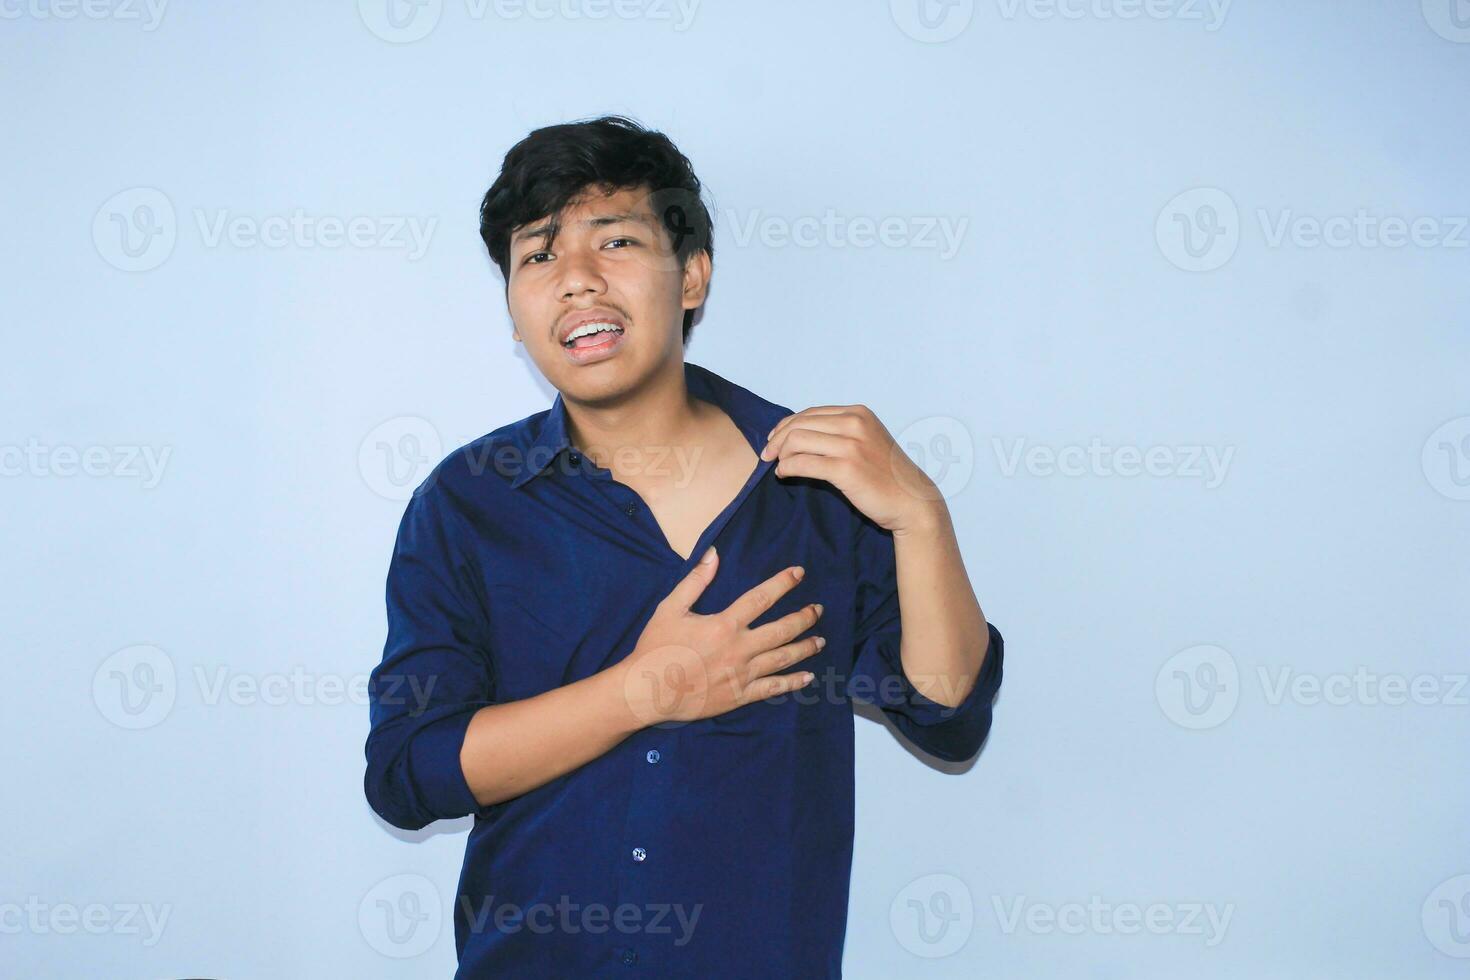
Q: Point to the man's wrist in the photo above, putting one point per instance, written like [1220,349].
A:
[616,694]
[928,518]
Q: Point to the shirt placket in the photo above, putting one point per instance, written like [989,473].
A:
[652,753]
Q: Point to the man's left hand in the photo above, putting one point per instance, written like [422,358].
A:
[848,446]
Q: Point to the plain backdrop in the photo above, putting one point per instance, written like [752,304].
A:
[1170,298]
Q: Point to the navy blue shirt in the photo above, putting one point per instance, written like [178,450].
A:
[715,848]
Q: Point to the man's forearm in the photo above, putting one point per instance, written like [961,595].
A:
[512,748]
[945,635]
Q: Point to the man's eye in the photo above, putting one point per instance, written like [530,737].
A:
[531,259]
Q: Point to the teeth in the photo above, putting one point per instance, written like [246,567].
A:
[589,328]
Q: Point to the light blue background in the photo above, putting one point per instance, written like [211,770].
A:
[1336,539]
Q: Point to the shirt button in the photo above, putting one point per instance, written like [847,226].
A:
[639,854]
[630,956]
[653,755]
[630,510]
[575,458]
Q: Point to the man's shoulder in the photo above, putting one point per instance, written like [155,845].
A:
[482,466]
[745,406]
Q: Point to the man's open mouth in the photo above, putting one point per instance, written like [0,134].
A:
[592,335]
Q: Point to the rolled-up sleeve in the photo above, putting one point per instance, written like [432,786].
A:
[948,732]
[435,673]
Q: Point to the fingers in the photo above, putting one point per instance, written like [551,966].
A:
[808,415]
[783,630]
[784,656]
[824,434]
[764,596]
[768,687]
[692,586]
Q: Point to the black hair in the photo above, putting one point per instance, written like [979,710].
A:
[555,165]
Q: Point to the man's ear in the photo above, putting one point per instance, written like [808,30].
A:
[696,279]
[514,333]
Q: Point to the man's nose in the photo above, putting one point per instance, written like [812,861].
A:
[579,274]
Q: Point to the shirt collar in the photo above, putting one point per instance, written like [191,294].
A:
[753,415]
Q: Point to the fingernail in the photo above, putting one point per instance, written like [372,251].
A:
[709,556]
[821,642]
[819,609]
[799,572]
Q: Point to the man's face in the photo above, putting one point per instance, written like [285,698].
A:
[611,257]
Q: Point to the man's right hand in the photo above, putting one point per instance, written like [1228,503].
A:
[688,666]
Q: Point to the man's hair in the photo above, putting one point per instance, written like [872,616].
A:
[555,165]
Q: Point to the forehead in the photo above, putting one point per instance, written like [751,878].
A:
[592,209]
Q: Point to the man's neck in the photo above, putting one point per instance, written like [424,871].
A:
[638,432]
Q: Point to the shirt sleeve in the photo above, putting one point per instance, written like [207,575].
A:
[949,733]
[435,675]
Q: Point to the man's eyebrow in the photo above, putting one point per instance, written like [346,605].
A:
[540,231]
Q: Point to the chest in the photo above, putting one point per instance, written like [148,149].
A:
[570,577]
[687,502]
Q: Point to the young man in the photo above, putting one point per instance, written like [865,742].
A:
[624,632]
